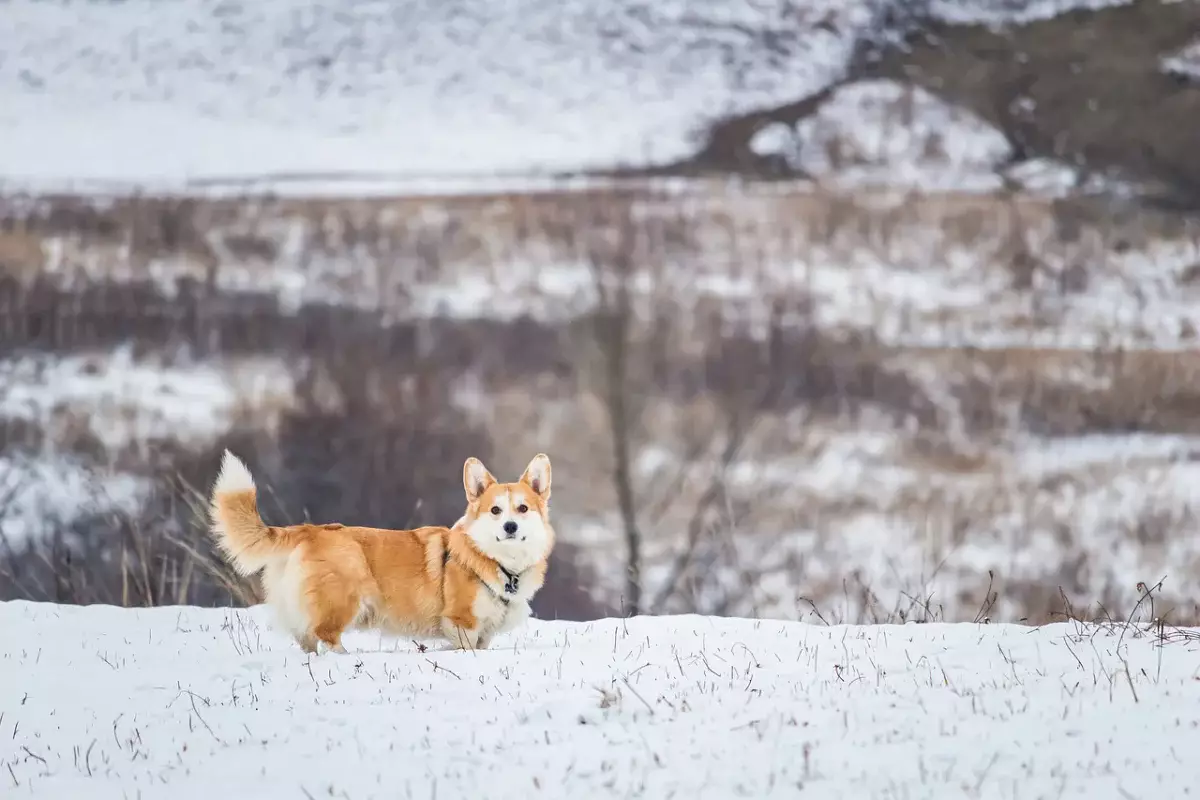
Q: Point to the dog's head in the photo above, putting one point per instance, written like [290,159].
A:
[509,522]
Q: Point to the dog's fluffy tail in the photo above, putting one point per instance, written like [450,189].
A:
[246,540]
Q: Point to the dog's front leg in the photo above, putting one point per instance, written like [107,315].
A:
[518,612]
[460,635]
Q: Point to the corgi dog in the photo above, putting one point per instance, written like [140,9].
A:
[467,583]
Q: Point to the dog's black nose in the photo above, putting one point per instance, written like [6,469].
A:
[510,527]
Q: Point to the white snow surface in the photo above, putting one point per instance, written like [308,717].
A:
[191,704]
[128,401]
[372,95]
[38,495]
[1185,63]
[884,132]
[1000,12]
[166,93]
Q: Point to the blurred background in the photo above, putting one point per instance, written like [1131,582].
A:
[838,310]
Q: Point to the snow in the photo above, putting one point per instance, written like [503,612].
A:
[37,495]
[275,88]
[862,512]
[913,272]
[370,97]
[1185,63]
[774,138]
[125,404]
[125,400]
[561,292]
[1000,12]
[1053,178]
[931,288]
[188,704]
[884,132]
[858,504]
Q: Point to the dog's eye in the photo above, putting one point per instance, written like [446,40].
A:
[521,509]
[496,510]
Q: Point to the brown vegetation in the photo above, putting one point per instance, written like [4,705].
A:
[652,368]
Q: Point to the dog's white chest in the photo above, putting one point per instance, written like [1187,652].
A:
[489,610]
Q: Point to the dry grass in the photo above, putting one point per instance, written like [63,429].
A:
[127,235]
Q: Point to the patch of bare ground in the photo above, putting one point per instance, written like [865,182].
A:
[1077,86]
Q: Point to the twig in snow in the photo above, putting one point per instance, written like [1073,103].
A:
[1129,679]
[989,600]
[437,666]
[636,694]
[196,711]
[1147,593]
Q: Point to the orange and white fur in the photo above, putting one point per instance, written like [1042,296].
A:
[467,583]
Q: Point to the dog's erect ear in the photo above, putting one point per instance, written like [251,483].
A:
[476,479]
[537,475]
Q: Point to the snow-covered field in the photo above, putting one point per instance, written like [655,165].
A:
[468,86]
[887,133]
[196,93]
[191,704]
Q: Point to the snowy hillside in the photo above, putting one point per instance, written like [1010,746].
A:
[954,420]
[212,90]
[418,87]
[992,374]
[190,704]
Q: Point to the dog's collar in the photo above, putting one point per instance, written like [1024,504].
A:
[511,583]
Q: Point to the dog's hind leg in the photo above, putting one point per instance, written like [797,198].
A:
[335,586]
[283,584]
[333,616]
[334,604]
